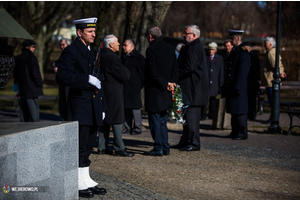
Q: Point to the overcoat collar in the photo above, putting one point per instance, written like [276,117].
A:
[82,48]
[156,39]
[194,42]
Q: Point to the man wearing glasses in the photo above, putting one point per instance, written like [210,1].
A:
[27,75]
[193,80]
[236,86]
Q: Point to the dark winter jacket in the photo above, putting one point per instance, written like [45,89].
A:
[135,63]
[193,74]
[115,74]
[160,68]
[27,75]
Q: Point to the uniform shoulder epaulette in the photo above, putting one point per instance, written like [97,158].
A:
[244,48]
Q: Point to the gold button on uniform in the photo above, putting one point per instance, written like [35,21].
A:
[100,98]
[94,96]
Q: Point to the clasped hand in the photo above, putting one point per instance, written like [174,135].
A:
[171,86]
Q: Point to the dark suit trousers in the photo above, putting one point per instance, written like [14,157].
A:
[87,138]
[213,105]
[63,96]
[104,137]
[191,134]
[159,130]
[251,103]
[30,110]
[239,125]
[135,114]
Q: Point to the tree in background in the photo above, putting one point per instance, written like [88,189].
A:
[40,19]
[124,19]
[131,18]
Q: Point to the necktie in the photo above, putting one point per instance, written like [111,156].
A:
[211,58]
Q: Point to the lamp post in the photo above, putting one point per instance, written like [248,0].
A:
[275,107]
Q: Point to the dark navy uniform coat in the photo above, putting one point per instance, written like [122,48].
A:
[84,105]
[236,81]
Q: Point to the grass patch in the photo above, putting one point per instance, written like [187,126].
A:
[47,106]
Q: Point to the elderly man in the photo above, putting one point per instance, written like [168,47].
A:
[63,43]
[193,80]
[86,102]
[268,67]
[161,73]
[216,78]
[236,85]
[115,74]
[134,62]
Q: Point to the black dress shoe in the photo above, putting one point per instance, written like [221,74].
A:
[135,133]
[96,190]
[178,146]
[154,153]
[240,138]
[189,149]
[104,151]
[228,136]
[166,152]
[123,153]
[86,193]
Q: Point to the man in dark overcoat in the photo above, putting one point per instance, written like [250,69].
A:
[115,74]
[62,91]
[161,73]
[86,103]
[135,63]
[252,81]
[228,48]
[236,86]
[27,75]
[216,79]
[193,80]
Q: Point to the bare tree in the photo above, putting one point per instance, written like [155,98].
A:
[40,19]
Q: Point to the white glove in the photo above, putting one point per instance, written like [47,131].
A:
[103,115]
[94,81]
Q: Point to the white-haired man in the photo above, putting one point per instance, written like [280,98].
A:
[115,74]
[193,80]
[268,67]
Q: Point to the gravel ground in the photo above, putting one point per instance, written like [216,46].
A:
[265,166]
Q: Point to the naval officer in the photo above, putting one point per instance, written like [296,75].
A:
[236,86]
[86,103]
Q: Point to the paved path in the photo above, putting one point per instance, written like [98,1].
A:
[271,163]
